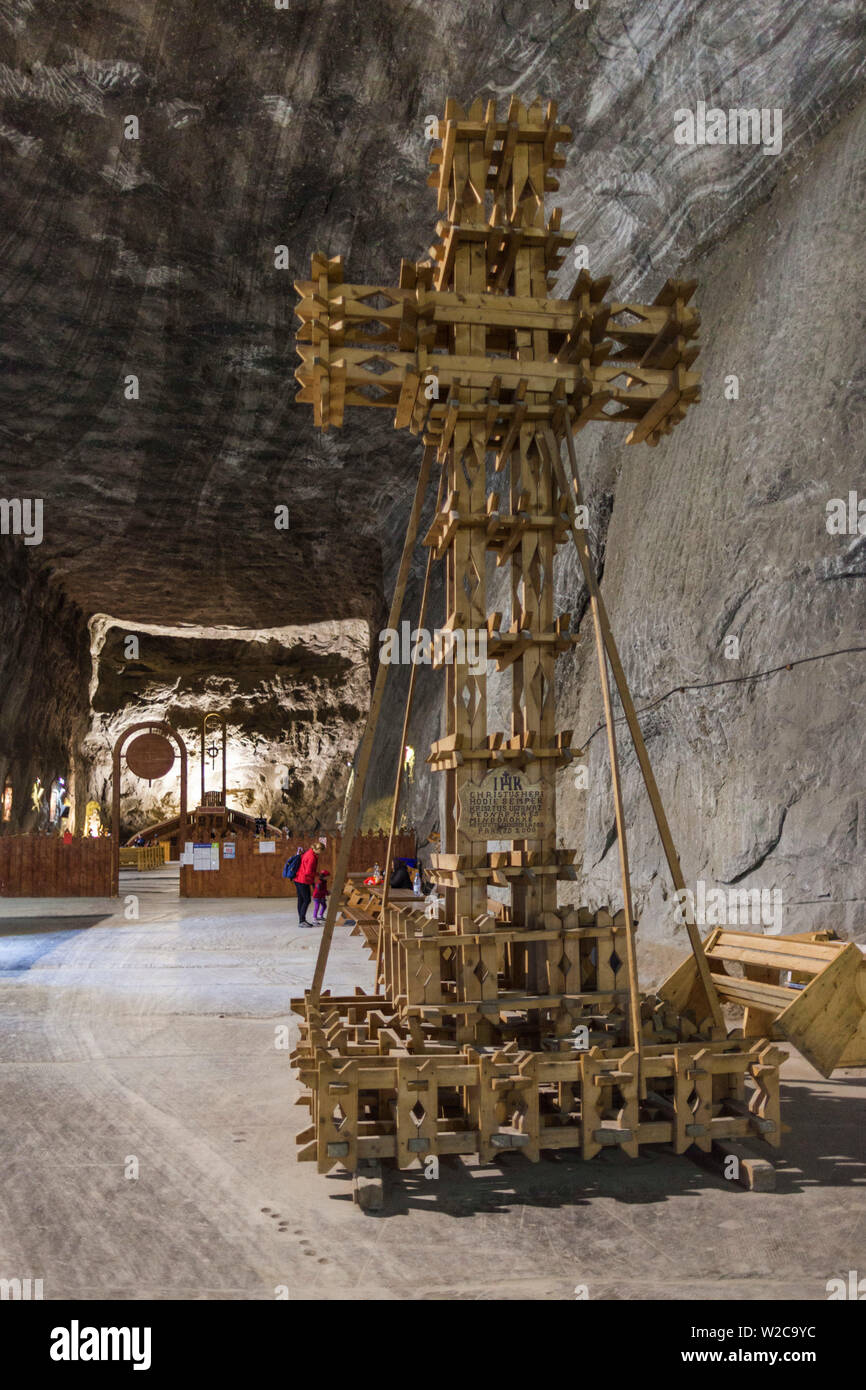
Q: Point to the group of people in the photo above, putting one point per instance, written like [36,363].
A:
[311,885]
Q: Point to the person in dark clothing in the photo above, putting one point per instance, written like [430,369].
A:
[400,877]
[304,880]
[298,854]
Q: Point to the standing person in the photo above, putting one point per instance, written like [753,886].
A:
[320,896]
[304,880]
[400,877]
[290,869]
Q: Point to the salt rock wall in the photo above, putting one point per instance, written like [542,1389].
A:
[44,669]
[721,532]
[304,129]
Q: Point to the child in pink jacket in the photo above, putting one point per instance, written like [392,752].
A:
[320,896]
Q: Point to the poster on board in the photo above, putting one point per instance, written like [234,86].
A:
[202,856]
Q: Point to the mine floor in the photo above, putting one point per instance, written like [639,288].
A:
[155,1040]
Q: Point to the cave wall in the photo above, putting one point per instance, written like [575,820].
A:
[44,673]
[304,128]
[721,532]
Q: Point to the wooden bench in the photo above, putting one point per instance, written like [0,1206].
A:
[808,989]
[361,908]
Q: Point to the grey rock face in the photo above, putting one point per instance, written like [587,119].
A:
[721,533]
[44,670]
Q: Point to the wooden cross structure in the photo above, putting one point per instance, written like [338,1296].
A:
[516,1024]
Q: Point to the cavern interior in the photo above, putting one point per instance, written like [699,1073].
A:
[213,579]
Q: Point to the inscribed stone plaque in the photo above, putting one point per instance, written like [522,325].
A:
[505,806]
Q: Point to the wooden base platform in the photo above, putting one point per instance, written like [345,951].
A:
[379,1089]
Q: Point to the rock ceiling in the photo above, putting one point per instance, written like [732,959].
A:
[154,257]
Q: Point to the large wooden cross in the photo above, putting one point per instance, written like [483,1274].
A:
[473,352]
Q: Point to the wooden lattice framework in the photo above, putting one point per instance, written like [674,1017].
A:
[516,1025]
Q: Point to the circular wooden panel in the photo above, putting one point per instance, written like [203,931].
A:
[150,756]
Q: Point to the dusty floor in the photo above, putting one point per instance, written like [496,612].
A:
[154,1040]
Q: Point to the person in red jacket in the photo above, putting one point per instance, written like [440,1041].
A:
[304,880]
[320,896]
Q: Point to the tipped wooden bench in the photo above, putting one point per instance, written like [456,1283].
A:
[809,990]
[361,909]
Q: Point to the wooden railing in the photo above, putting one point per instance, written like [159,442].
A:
[142,857]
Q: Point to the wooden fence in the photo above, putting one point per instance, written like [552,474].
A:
[42,866]
[250,874]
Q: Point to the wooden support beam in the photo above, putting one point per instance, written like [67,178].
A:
[551,446]
[751,1171]
[572,494]
[395,809]
[367,1185]
[354,809]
